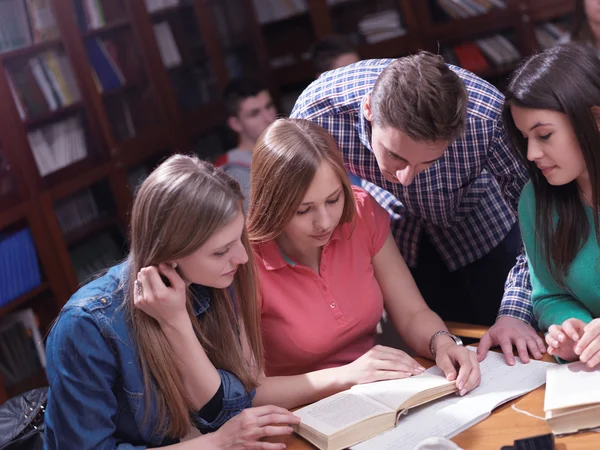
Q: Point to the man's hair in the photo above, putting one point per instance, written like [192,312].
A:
[326,50]
[239,90]
[422,97]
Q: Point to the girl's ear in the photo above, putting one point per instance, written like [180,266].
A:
[596,113]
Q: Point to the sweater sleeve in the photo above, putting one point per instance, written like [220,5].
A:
[552,304]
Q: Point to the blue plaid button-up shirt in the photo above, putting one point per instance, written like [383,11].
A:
[466,202]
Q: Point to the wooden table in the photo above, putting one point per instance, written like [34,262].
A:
[503,427]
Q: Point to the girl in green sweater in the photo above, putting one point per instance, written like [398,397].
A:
[552,117]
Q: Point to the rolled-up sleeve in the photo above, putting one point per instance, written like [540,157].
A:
[235,400]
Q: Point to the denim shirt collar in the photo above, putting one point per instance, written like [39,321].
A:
[200,298]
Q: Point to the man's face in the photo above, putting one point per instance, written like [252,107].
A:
[255,114]
[399,157]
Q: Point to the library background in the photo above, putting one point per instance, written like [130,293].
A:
[94,93]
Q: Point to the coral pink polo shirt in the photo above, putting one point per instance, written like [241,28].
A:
[312,322]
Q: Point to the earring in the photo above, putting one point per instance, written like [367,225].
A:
[174,265]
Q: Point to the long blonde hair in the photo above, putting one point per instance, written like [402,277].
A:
[176,209]
[284,163]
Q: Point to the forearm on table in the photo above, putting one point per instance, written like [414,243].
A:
[200,378]
[296,390]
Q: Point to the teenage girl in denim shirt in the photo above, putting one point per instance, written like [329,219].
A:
[154,346]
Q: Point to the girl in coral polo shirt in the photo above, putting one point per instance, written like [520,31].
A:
[327,266]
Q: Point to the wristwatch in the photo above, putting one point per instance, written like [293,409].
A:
[442,333]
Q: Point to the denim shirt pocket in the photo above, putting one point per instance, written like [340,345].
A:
[235,400]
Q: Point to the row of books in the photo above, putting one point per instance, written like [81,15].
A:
[460,9]
[89,14]
[58,145]
[381,26]
[43,83]
[19,269]
[22,353]
[23,22]
[549,34]
[77,211]
[95,255]
[105,69]
[478,56]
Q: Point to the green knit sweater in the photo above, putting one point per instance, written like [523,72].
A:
[551,303]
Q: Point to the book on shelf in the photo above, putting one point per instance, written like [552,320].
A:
[89,14]
[156,5]
[15,29]
[19,268]
[460,9]
[105,70]
[381,26]
[549,34]
[58,145]
[167,47]
[95,255]
[499,49]
[43,83]
[274,10]
[572,399]
[77,211]
[41,18]
[22,352]
[366,410]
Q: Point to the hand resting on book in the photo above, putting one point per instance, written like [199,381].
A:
[458,364]
[381,363]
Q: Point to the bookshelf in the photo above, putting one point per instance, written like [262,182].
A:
[92,99]
[424,25]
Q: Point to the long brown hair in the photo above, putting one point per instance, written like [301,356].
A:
[565,79]
[176,209]
[284,162]
[580,29]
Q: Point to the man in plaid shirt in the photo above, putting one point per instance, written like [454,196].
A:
[429,140]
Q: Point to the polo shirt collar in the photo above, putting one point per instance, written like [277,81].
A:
[363,126]
[273,258]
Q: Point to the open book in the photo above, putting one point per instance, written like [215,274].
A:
[572,401]
[366,410]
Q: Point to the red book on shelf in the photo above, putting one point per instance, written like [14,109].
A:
[470,57]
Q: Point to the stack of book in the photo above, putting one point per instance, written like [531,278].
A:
[549,34]
[155,5]
[274,10]
[77,211]
[460,9]
[381,26]
[95,255]
[43,83]
[23,22]
[19,269]
[22,353]
[58,145]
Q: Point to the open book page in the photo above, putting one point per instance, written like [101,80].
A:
[452,415]
[332,414]
[395,393]
[570,385]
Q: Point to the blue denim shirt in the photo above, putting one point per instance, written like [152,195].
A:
[96,398]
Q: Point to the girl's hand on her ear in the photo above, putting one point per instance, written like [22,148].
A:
[245,430]
[588,346]
[561,339]
[166,304]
